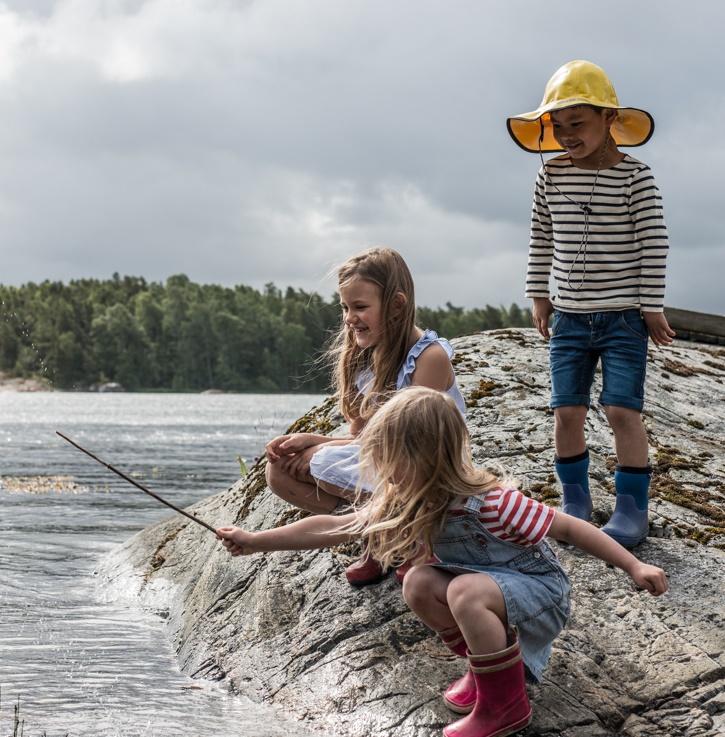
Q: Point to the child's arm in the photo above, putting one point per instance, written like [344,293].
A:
[541,255]
[320,531]
[592,540]
[356,426]
[284,445]
[433,369]
[541,309]
[297,465]
[645,207]
[658,328]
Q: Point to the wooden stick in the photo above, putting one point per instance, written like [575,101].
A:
[136,484]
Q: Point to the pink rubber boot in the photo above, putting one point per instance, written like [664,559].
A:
[460,696]
[502,705]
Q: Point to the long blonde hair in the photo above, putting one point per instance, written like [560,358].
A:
[416,450]
[385,268]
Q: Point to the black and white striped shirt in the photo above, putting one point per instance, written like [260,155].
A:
[623,264]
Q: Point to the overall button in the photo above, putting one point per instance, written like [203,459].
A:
[537,554]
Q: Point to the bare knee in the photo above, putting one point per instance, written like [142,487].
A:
[464,598]
[274,475]
[417,585]
[570,418]
[623,418]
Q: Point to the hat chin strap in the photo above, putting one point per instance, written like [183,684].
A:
[584,207]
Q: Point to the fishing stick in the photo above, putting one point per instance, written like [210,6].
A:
[136,484]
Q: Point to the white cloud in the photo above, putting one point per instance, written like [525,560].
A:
[13,35]
[267,140]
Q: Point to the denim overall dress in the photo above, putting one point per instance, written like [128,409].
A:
[535,587]
[339,464]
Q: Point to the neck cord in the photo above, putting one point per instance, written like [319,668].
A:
[585,208]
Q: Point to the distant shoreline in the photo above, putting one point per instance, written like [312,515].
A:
[19,384]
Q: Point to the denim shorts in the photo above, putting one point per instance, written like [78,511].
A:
[579,340]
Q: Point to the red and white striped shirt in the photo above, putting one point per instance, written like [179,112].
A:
[511,516]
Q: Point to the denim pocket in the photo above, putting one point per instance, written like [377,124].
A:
[633,323]
[533,562]
[555,320]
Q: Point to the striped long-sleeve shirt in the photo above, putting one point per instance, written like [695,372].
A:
[622,266]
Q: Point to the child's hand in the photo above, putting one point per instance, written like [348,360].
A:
[658,328]
[236,540]
[540,313]
[284,445]
[651,578]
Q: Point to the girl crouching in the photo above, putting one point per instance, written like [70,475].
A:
[484,578]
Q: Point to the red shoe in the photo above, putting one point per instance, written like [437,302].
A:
[502,705]
[400,571]
[364,572]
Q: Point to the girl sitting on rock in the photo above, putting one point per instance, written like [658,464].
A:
[484,577]
[378,350]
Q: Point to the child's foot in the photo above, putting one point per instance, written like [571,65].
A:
[364,572]
[577,502]
[460,696]
[628,524]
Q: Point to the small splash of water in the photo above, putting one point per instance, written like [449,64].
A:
[83,657]
[22,328]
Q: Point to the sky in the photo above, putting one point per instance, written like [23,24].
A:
[248,142]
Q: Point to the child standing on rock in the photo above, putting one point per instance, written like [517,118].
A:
[378,350]
[597,224]
[484,577]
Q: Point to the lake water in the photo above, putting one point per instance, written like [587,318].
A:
[82,661]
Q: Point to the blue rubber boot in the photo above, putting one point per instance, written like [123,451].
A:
[629,524]
[573,472]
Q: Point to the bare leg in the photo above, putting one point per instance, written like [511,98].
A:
[630,437]
[424,591]
[473,601]
[319,498]
[478,606]
[299,493]
[569,439]
[346,494]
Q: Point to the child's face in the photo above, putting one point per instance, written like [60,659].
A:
[362,311]
[581,130]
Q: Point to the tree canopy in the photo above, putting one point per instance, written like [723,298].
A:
[184,336]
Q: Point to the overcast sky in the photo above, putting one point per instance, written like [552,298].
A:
[247,142]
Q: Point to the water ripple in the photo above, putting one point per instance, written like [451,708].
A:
[79,663]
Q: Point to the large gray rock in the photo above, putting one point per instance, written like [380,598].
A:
[286,629]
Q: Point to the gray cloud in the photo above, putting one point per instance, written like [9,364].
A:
[268,140]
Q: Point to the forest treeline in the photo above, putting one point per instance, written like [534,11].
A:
[185,336]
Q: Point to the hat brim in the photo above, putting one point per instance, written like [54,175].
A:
[534,132]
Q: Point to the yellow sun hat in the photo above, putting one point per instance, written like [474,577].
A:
[578,83]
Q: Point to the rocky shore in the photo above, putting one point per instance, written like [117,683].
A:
[19,384]
[287,630]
